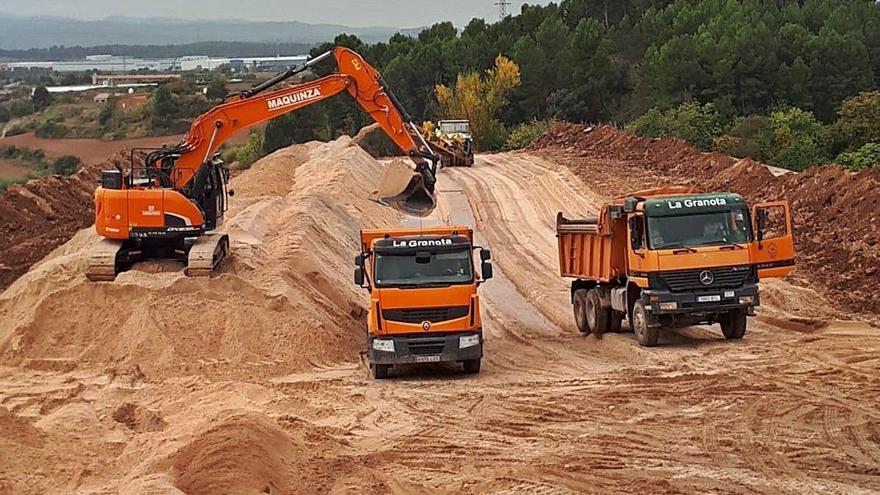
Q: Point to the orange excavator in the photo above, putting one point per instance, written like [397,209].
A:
[173,206]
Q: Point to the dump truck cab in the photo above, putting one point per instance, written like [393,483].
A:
[673,257]
[424,306]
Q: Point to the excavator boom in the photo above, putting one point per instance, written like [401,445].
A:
[173,206]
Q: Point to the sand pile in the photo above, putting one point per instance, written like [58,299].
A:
[140,356]
[835,212]
[286,299]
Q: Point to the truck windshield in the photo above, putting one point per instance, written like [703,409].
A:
[443,268]
[705,229]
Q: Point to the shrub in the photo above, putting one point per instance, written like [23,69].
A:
[699,125]
[523,134]
[251,151]
[49,129]
[66,165]
[868,156]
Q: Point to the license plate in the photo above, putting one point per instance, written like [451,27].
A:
[427,359]
[709,298]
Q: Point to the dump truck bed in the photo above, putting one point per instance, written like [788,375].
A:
[590,249]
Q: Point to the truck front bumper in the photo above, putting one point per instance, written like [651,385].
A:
[425,348]
[660,302]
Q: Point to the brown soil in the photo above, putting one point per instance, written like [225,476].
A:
[836,213]
[87,150]
[13,169]
[40,215]
[252,382]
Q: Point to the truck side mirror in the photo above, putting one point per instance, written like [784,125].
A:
[485,255]
[487,270]
[629,204]
[359,276]
[359,261]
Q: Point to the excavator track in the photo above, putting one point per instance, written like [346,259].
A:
[102,260]
[207,254]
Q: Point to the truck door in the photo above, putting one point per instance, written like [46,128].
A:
[773,247]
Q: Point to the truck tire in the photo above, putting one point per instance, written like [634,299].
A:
[616,323]
[471,366]
[734,324]
[646,334]
[380,371]
[597,316]
[579,304]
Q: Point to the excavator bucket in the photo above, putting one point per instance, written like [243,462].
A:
[405,190]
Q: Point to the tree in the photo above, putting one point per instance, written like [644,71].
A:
[479,99]
[301,126]
[163,108]
[217,89]
[868,156]
[799,140]
[41,98]
[840,68]
[858,122]
[5,114]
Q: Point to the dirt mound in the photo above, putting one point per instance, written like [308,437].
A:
[293,241]
[284,303]
[40,215]
[835,212]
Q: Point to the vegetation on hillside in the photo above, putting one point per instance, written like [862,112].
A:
[787,82]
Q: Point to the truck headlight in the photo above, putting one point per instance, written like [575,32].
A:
[468,341]
[746,299]
[383,345]
[668,306]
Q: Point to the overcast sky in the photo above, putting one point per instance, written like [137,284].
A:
[358,13]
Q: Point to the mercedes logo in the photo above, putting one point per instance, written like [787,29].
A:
[706,277]
[426,325]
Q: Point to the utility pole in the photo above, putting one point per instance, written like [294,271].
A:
[502,8]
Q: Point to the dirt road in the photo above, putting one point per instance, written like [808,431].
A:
[262,402]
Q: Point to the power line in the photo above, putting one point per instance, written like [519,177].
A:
[502,8]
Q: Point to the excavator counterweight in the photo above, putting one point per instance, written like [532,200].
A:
[173,206]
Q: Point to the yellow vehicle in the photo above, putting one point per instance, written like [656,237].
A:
[424,306]
[671,257]
[452,141]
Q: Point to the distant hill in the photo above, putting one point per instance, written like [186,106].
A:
[18,33]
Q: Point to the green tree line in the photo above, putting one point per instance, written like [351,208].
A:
[763,78]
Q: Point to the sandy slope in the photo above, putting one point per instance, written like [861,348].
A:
[252,382]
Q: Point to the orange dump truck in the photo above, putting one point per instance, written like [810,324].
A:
[671,257]
[424,306]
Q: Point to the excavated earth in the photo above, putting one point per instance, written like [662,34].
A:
[252,382]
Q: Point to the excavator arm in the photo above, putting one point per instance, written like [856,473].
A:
[257,105]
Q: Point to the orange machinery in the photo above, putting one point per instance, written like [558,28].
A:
[672,257]
[424,306]
[173,206]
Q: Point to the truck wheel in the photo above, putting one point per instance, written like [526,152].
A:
[646,335]
[733,324]
[472,366]
[380,371]
[616,321]
[597,316]
[580,310]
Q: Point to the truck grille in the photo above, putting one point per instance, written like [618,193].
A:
[434,315]
[425,347]
[727,277]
